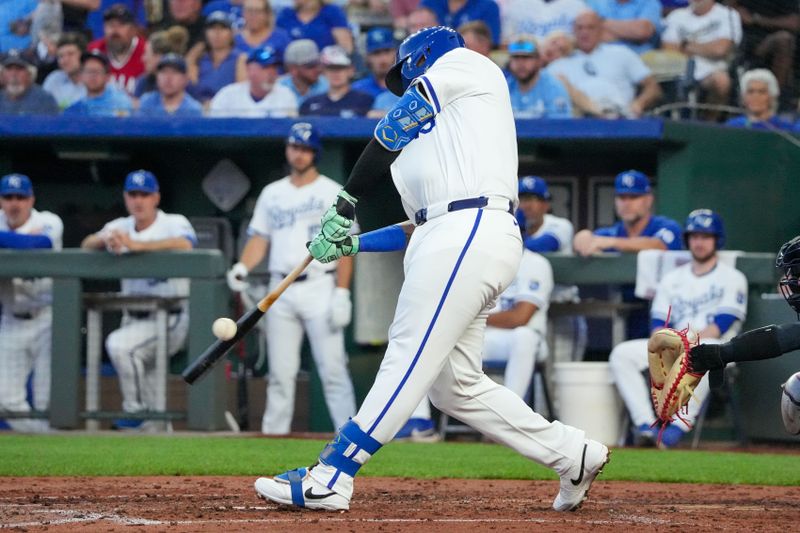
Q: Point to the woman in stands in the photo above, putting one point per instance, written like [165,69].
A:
[760,92]
[325,24]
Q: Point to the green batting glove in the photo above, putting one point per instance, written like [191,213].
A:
[325,251]
[338,219]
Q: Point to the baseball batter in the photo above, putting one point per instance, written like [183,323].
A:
[287,216]
[451,144]
[132,347]
[705,295]
[26,321]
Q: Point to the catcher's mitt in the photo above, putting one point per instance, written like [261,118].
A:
[672,381]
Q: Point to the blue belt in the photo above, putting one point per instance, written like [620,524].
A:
[421,216]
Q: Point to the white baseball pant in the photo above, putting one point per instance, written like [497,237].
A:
[305,306]
[132,350]
[25,347]
[627,361]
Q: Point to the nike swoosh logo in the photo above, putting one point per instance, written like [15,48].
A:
[575,482]
[311,496]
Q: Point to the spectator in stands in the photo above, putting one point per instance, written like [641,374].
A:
[637,229]
[420,18]
[535,93]
[401,11]
[185,13]
[171,98]
[15,24]
[123,48]
[477,37]
[103,98]
[173,40]
[65,83]
[234,9]
[216,66]
[341,99]
[132,347]
[759,93]
[20,95]
[381,51]
[609,73]
[259,95]
[707,33]
[26,321]
[634,23]
[46,28]
[260,29]
[303,70]
[556,45]
[770,37]
[539,17]
[325,24]
[454,13]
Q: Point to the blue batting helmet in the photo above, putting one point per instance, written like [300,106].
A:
[705,221]
[418,52]
[304,134]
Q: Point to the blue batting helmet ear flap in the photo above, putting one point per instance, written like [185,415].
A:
[305,134]
[418,52]
[705,221]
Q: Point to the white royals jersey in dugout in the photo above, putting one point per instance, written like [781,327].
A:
[472,151]
[696,300]
[22,295]
[289,216]
[166,226]
[533,283]
[560,228]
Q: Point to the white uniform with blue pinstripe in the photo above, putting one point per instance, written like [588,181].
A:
[456,266]
[132,347]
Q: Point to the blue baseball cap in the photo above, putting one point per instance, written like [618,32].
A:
[172,60]
[534,185]
[18,184]
[141,181]
[220,18]
[265,56]
[523,47]
[380,39]
[632,182]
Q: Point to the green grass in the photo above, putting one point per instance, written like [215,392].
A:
[111,455]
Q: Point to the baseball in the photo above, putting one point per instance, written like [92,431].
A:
[224,328]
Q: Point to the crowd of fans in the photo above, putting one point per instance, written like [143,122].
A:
[283,58]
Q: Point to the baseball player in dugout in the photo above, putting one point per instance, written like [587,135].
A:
[287,216]
[706,296]
[26,321]
[450,143]
[132,347]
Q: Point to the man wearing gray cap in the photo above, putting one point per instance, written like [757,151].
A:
[303,71]
[20,95]
[340,100]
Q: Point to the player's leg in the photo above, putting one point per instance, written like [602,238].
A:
[327,348]
[43,344]
[284,339]
[627,361]
[16,362]
[129,348]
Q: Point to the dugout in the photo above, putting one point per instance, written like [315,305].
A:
[78,164]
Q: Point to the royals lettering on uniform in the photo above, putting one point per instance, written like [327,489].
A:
[683,308]
[283,217]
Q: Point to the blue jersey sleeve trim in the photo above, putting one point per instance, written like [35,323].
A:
[546,243]
[386,239]
[10,239]
[432,93]
[657,323]
[724,322]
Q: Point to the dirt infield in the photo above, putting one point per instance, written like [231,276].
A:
[217,503]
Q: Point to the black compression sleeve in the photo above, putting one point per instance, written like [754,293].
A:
[762,343]
[373,164]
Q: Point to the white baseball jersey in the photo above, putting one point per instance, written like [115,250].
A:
[533,283]
[719,23]
[696,300]
[289,216]
[166,226]
[234,100]
[539,17]
[30,294]
[444,163]
[558,227]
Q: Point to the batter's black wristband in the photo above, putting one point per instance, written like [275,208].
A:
[372,165]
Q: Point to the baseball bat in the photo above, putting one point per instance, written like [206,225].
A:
[217,351]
